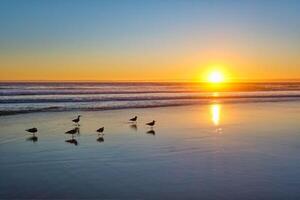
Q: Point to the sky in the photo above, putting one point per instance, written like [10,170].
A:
[133,40]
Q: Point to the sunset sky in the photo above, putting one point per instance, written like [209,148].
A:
[149,40]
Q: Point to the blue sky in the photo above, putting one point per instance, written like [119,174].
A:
[152,29]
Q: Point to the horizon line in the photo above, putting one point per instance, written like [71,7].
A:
[153,81]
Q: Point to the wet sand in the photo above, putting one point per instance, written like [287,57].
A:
[230,151]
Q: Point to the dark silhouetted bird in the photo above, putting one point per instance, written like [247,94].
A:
[77,120]
[134,119]
[32,130]
[151,123]
[100,130]
[73,131]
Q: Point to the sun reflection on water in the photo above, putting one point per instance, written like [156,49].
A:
[215,94]
[216,116]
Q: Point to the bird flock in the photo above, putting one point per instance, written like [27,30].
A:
[100,131]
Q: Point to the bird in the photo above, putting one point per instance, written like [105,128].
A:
[73,131]
[134,119]
[77,120]
[151,123]
[152,132]
[32,130]
[100,130]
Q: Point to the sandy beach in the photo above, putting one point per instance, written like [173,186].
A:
[228,151]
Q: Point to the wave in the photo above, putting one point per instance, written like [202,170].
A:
[17,109]
[90,92]
[16,98]
[82,99]
[13,89]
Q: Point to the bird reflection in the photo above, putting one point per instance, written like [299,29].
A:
[72,132]
[100,139]
[72,141]
[151,132]
[100,134]
[32,138]
[133,127]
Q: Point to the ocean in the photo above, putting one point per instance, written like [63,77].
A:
[27,97]
[236,141]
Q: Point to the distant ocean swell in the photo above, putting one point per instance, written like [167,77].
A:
[18,98]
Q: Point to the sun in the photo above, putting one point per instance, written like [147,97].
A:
[216,77]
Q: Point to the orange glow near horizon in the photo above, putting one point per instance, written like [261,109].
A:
[84,68]
[130,41]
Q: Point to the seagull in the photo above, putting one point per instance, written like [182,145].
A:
[77,120]
[151,123]
[33,138]
[73,131]
[32,130]
[100,130]
[133,119]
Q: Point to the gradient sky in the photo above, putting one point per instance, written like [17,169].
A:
[149,40]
